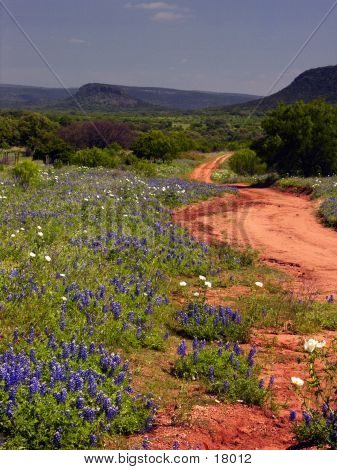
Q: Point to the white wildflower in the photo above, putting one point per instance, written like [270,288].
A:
[311,344]
[297,381]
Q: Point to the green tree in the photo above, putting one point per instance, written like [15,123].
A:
[33,128]
[48,144]
[9,132]
[155,146]
[300,139]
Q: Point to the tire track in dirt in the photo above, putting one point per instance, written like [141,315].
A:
[282,226]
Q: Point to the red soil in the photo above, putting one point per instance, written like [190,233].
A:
[283,227]
[237,426]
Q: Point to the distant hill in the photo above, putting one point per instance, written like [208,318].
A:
[21,96]
[186,100]
[320,82]
[103,97]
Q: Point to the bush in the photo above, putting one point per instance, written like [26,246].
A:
[237,145]
[94,157]
[60,394]
[58,163]
[226,372]
[203,321]
[246,163]
[26,172]
[145,168]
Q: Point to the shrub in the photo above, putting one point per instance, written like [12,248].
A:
[58,163]
[203,321]
[66,394]
[26,172]
[237,145]
[226,372]
[94,157]
[144,168]
[245,162]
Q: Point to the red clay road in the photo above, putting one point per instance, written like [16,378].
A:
[282,226]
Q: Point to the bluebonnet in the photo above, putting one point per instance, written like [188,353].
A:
[57,439]
[89,414]
[61,396]
[146,443]
[182,349]
[307,417]
[292,416]
[92,440]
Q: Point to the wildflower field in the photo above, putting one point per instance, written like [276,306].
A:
[87,261]
[105,312]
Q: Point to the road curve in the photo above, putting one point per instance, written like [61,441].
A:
[204,171]
[282,226]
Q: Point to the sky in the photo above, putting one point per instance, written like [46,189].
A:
[217,45]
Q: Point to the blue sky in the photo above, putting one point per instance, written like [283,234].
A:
[220,45]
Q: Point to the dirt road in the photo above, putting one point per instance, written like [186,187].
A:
[282,226]
[204,171]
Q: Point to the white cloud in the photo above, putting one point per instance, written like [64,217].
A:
[161,11]
[152,6]
[167,16]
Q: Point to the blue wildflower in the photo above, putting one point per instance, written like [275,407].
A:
[182,349]
[292,416]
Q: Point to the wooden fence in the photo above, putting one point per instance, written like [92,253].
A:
[12,155]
